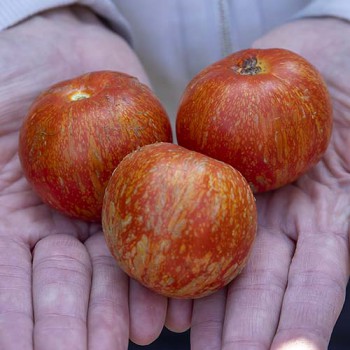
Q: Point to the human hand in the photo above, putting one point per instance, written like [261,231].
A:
[291,292]
[48,262]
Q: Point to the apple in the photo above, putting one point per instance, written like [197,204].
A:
[266,112]
[77,131]
[179,222]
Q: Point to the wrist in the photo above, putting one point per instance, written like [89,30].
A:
[320,40]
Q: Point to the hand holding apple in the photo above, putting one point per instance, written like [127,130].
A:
[54,267]
[305,224]
[293,288]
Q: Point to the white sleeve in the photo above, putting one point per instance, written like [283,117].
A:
[14,11]
[321,8]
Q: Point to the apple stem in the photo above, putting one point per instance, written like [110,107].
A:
[248,67]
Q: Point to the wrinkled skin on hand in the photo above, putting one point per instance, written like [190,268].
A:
[59,286]
[292,291]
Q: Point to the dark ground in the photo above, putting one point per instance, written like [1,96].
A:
[171,341]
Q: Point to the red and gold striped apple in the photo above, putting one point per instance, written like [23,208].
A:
[77,132]
[179,222]
[266,112]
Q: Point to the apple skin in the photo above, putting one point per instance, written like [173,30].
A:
[78,131]
[266,112]
[177,221]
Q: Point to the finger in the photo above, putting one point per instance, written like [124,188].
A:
[108,317]
[147,313]
[16,314]
[207,321]
[254,299]
[179,313]
[61,287]
[316,292]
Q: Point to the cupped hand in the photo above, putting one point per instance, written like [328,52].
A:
[293,288]
[59,287]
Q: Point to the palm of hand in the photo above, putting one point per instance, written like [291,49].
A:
[293,288]
[46,278]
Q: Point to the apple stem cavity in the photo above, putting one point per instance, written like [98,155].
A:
[79,95]
[248,67]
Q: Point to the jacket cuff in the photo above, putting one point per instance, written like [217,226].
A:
[15,11]
[323,8]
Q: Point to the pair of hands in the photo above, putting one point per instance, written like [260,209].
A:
[59,286]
